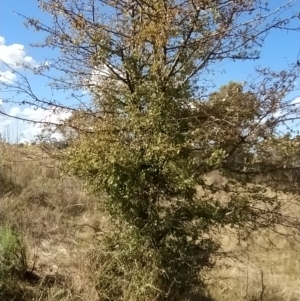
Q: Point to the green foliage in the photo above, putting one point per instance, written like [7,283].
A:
[148,174]
[12,261]
[130,269]
[148,167]
[126,267]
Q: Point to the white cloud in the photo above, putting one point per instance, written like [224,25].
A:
[296,101]
[7,76]
[14,111]
[1,107]
[51,115]
[14,55]
[23,131]
[102,73]
[5,122]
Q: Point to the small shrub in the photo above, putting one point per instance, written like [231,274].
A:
[12,260]
[123,272]
[127,268]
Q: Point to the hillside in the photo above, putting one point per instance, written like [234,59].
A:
[59,256]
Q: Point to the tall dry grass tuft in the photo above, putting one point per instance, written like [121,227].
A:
[263,267]
[57,218]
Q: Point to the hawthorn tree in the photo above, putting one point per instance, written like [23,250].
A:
[153,128]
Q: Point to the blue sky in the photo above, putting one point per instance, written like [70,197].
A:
[281,48]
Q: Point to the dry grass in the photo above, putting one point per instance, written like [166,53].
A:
[61,223]
[265,267]
[58,220]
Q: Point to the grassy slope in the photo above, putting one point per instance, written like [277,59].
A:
[61,224]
